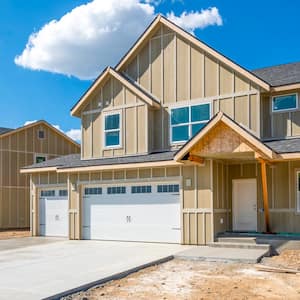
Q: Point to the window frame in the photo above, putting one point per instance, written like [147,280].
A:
[190,123]
[38,133]
[286,109]
[40,155]
[297,191]
[111,113]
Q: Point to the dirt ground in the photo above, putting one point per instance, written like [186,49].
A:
[181,279]
[10,234]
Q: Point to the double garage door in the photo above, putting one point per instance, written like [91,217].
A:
[53,212]
[148,212]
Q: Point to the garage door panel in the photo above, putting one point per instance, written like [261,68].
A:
[151,217]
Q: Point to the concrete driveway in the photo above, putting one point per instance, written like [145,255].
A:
[41,267]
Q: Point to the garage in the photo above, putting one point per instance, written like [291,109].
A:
[136,212]
[53,212]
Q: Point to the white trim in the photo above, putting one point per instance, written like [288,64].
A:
[40,155]
[111,113]
[286,109]
[297,191]
[190,123]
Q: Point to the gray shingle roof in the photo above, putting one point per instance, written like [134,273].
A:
[285,146]
[4,130]
[280,75]
[74,161]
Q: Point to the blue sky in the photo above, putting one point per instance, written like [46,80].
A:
[254,35]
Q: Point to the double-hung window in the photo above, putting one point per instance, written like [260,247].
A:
[187,121]
[284,102]
[112,130]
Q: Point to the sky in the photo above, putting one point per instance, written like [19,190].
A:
[51,50]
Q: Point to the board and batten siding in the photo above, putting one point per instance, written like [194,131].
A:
[112,97]
[279,124]
[177,72]
[18,150]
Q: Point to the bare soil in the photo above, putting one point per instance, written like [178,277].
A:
[11,234]
[181,279]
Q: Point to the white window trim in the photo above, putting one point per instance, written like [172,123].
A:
[40,154]
[297,193]
[188,124]
[287,109]
[112,130]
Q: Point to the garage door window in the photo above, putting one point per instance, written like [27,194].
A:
[141,189]
[168,188]
[48,193]
[116,190]
[63,193]
[93,191]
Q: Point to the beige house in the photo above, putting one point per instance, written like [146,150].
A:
[26,145]
[179,143]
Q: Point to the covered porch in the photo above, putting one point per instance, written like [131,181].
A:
[252,191]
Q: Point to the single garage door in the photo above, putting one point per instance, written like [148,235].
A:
[53,212]
[149,213]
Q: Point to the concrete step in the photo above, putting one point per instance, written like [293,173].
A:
[240,240]
[240,245]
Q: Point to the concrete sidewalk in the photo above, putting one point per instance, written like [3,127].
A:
[49,268]
[207,253]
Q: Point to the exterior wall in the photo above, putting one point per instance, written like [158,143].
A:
[178,73]
[281,180]
[113,97]
[279,124]
[196,199]
[16,151]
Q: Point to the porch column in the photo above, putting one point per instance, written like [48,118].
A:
[265,194]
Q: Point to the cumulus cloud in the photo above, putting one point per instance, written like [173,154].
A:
[74,134]
[97,34]
[193,20]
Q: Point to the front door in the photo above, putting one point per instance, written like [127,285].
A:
[244,204]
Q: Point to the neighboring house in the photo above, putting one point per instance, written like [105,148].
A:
[19,147]
[179,143]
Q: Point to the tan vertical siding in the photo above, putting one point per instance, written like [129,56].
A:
[196,73]
[211,77]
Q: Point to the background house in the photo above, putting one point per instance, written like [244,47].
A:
[19,147]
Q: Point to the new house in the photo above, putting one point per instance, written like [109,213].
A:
[34,143]
[179,143]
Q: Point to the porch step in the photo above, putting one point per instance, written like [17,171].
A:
[240,245]
[239,240]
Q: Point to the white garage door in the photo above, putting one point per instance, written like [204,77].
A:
[53,214]
[149,213]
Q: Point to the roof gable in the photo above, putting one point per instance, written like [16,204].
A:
[161,20]
[104,76]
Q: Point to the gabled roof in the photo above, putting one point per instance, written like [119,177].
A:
[221,117]
[133,87]
[40,122]
[279,75]
[4,130]
[178,30]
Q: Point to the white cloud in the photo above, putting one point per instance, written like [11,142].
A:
[199,19]
[91,36]
[74,134]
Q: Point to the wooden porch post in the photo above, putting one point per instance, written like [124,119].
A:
[265,194]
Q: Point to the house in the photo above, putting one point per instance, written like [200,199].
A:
[179,143]
[34,143]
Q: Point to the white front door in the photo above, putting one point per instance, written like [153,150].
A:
[151,214]
[244,204]
[53,213]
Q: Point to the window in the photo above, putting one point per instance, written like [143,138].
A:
[41,134]
[187,121]
[285,102]
[112,130]
[298,191]
[48,193]
[116,190]
[168,188]
[93,191]
[63,193]
[40,158]
[141,189]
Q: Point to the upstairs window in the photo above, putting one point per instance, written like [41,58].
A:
[40,158]
[298,191]
[41,134]
[284,102]
[112,130]
[187,121]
